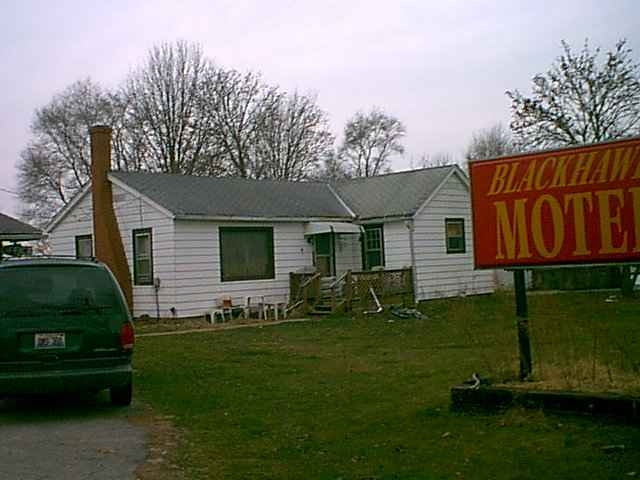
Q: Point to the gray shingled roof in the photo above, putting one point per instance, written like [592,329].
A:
[393,194]
[185,195]
[390,195]
[13,229]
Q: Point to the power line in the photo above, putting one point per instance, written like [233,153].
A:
[10,192]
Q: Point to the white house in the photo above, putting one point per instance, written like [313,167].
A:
[202,238]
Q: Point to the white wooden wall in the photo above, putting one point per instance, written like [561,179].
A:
[397,246]
[197,265]
[79,221]
[134,213]
[441,274]
[397,253]
[186,254]
[131,213]
[348,253]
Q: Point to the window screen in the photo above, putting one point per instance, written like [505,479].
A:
[246,253]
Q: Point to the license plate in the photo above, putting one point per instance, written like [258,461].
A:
[49,340]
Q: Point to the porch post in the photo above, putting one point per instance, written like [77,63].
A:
[414,273]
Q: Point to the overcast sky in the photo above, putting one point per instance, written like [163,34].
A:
[440,67]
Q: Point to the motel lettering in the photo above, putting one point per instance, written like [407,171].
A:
[569,206]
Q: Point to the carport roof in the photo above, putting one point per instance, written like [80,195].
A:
[15,230]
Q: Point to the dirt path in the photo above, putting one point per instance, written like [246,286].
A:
[222,327]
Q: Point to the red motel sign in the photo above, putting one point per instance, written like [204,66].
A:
[561,207]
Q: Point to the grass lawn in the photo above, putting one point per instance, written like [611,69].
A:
[367,398]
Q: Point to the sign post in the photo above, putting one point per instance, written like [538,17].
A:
[570,206]
[522,318]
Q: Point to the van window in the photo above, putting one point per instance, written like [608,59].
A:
[57,286]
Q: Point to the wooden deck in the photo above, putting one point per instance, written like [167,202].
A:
[310,293]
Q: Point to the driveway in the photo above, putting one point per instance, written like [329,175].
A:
[75,438]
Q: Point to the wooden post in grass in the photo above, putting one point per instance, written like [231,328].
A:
[522,314]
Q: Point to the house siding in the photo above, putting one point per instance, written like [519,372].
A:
[186,253]
[79,221]
[197,265]
[397,246]
[397,252]
[131,213]
[439,274]
[134,213]
[348,253]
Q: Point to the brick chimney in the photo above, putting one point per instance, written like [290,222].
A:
[106,234]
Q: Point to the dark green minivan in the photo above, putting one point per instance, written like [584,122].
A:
[64,327]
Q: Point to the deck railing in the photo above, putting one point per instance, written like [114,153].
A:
[352,289]
[304,291]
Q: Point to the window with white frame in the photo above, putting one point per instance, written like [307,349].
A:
[142,257]
[454,230]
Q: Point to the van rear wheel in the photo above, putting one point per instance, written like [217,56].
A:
[121,396]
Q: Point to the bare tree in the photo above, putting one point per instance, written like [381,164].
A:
[437,160]
[165,111]
[238,103]
[331,168]
[369,142]
[177,113]
[262,132]
[56,163]
[580,99]
[130,151]
[292,136]
[43,186]
[491,142]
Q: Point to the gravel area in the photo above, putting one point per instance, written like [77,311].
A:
[53,443]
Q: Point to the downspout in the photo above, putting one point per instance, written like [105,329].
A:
[333,250]
[414,277]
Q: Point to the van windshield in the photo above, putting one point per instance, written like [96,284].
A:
[66,289]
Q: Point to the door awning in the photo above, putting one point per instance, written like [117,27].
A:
[316,228]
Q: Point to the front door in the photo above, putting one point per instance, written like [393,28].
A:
[323,254]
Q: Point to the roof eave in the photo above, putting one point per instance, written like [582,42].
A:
[64,211]
[137,193]
[235,218]
[455,170]
[386,218]
[20,237]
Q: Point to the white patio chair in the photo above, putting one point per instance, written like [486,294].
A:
[223,308]
[279,307]
[251,306]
